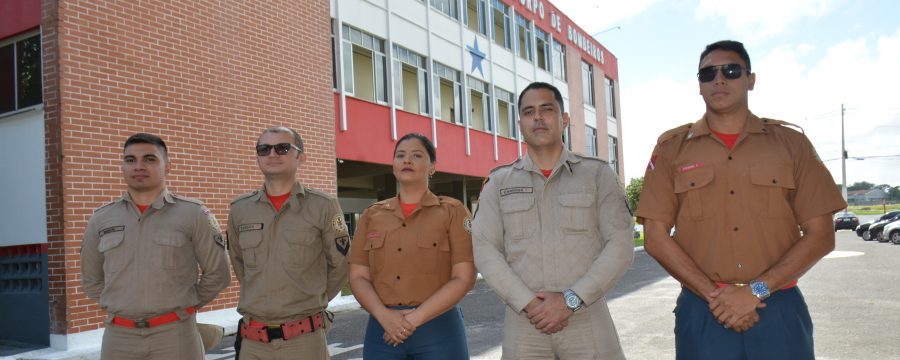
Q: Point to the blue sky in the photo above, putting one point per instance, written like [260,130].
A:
[809,56]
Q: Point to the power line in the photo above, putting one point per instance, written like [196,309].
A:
[865,157]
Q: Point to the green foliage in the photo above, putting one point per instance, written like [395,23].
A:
[633,192]
[860,185]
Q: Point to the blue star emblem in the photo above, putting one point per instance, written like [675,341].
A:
[477,57]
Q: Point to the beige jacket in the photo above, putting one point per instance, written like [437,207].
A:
[142,265]
[572,230]
[290,263]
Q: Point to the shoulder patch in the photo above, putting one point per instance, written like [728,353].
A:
[673,132]
[244,196]
[467,224]
[338,224]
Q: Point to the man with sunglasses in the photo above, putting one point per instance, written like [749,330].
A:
[288,245]
[141,259]
[751,204]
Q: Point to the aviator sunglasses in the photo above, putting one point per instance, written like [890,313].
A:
[729,71]
[280,149]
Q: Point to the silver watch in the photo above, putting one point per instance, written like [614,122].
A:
[573,302]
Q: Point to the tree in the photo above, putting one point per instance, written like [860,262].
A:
[633,192]
[894,193]
[860,185]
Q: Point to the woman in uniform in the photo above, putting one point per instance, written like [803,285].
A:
[411,263]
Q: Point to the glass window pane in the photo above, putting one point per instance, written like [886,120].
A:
[348,66]
[380,76]
[28,54]
[7,79]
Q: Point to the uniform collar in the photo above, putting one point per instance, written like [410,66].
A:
[393,204]
[164,197]
[566,159]
[294,200]
[753,125]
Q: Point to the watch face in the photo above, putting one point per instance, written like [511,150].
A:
[572,301]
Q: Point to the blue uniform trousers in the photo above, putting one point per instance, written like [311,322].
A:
[442,338]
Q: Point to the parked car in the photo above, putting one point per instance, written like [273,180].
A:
[875,229]
[845,220]
[863,229]
[892,232]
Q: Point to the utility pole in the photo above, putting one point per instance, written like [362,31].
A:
[843,157]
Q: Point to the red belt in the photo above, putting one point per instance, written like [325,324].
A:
[788,286]
[261,332]
[152,322]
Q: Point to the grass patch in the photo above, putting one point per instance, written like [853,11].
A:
[872,209]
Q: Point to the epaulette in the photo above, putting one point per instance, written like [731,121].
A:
[319,193]
[244,196]
[107,204]
[673,132]
[506,166]
[378,203]
[449,200]
[767,121]
[187,199]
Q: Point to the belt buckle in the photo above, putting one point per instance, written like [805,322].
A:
[141,324]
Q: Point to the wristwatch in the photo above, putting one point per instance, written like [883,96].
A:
[759,289]
[573,302]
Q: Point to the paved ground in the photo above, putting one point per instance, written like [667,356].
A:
[853,295]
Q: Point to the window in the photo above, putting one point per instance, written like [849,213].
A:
[506,120]
[614,154]
[447,94]
[410,81]
[480,101]
[587,82]
[523,34]
[502,31]
[610,86]
[543,49]
[448,7]
[21,85]
[590,141]
[558,60]
[476,16]
[365,65]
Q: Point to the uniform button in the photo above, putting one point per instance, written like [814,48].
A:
[774,181]
[740,266]
[735,228]
[729,157]
[398,277]
[404,225]
[731,192]
[692,184]
[399,249]
[433,244]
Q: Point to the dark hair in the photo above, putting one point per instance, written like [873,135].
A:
[727,45]
[284,130]
[542,85]
[429,147]
[144,138]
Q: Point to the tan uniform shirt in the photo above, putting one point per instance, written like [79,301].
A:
[572,230]
[736,212]
[142,265]
[409,259]
[290,263]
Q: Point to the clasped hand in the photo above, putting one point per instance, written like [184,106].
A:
[397,328]
[548,312]
[735,307]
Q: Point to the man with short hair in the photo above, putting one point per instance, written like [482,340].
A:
[288,246]
[751,204]
[552,235]
[140,259]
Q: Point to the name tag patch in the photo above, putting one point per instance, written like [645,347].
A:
[250,227]
[112,229]
[690,167]
[516,190]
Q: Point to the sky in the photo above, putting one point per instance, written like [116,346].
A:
[809,56]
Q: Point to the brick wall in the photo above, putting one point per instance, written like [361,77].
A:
[207,76]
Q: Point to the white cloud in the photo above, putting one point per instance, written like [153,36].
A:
[760,19]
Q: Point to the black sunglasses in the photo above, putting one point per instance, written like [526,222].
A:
[280,149]
[729,71]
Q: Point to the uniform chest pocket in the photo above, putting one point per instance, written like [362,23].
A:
[772,187]
[375,248]
[432,248]
[173,251]
[115,256]
[249,242]
[517,222]
[690,188]
[576,212]
[304,247]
